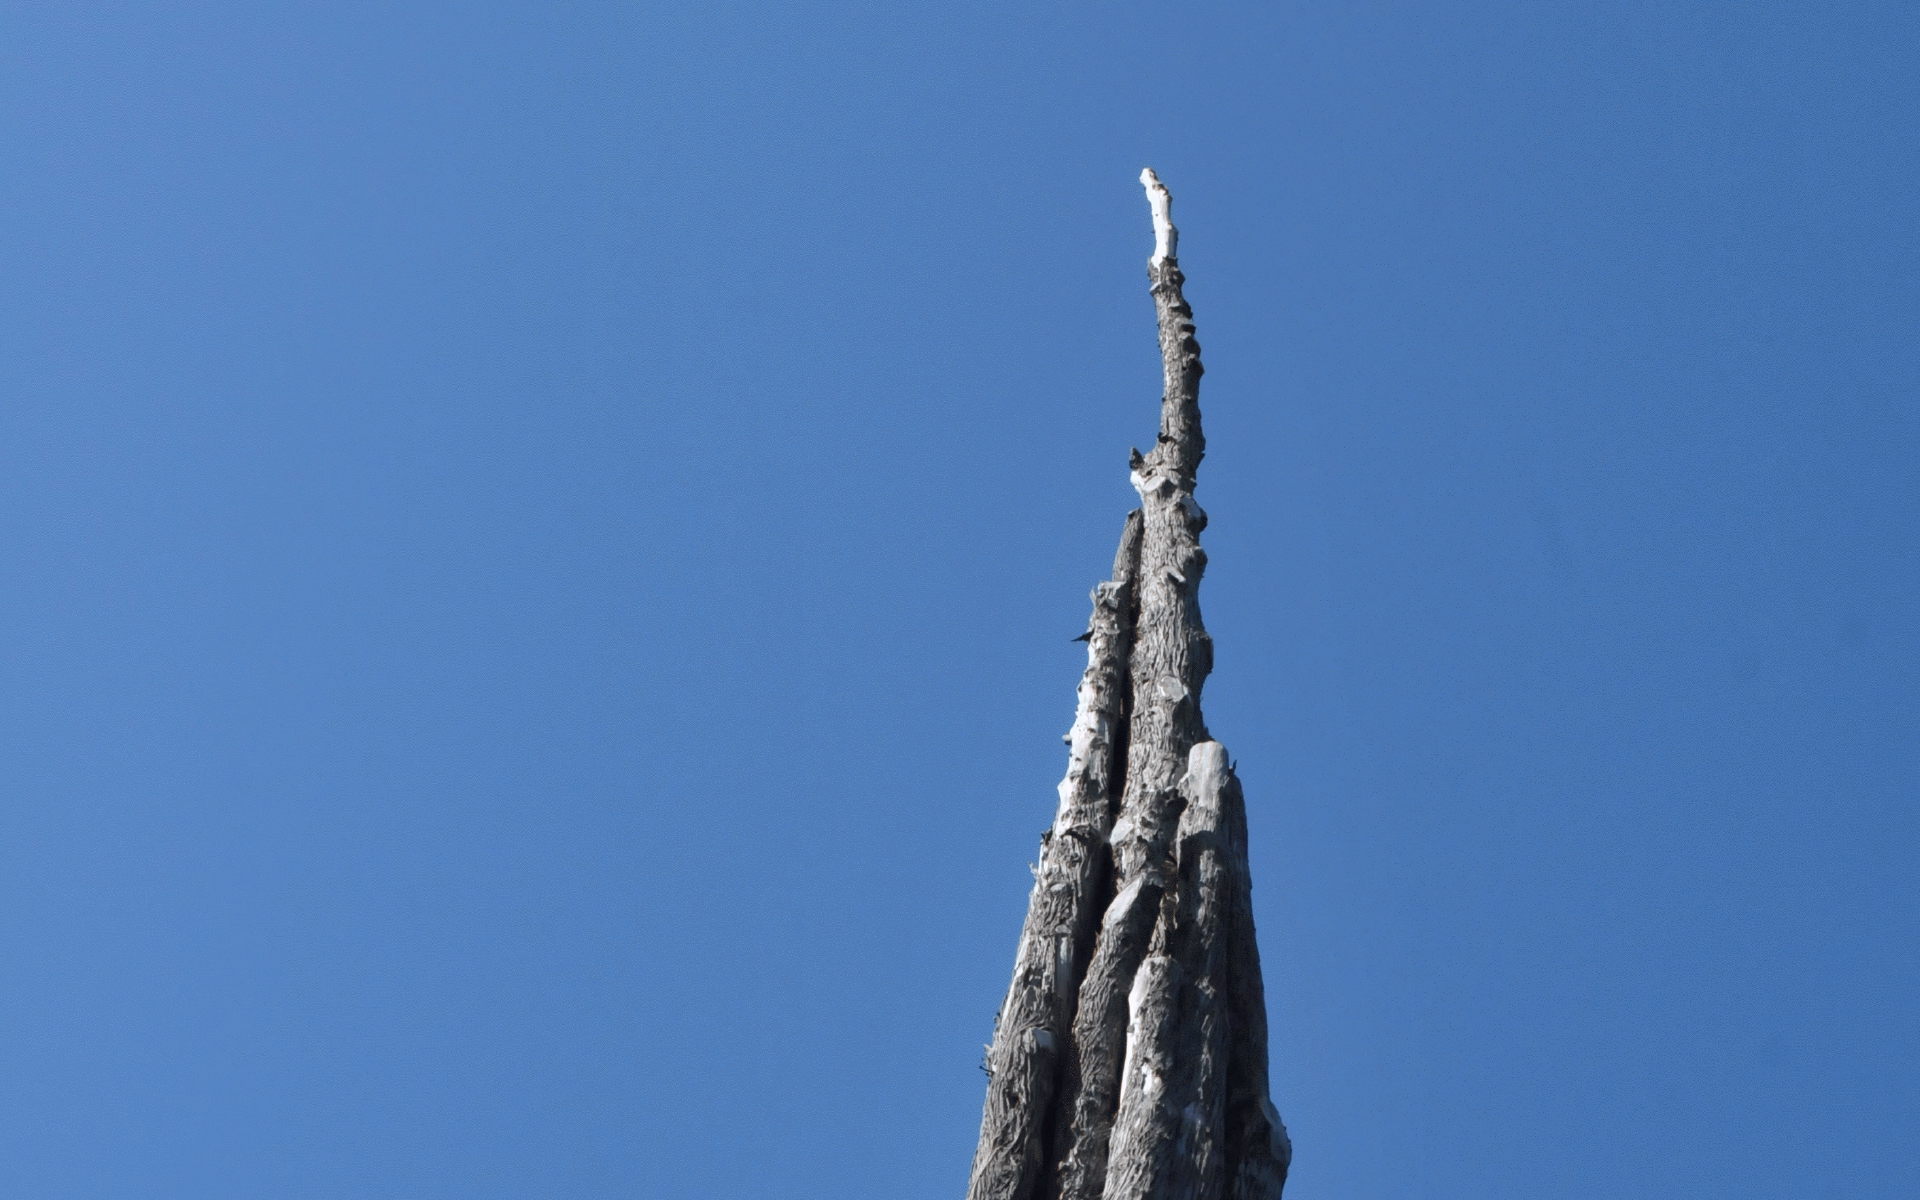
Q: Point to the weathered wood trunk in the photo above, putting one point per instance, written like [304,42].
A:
[1130,1057]
[1023,1061]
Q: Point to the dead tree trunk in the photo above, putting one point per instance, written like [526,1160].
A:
[1033,1027]
[1129,1061]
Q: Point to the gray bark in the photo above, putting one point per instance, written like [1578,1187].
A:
[1167,1137]
[1257,1146]
[1143,1130]
[1171,658]
[1099,1037]
[1200,941]
[1131,1063]
[1033,1028]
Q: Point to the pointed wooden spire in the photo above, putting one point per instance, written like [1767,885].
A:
[1129,1061]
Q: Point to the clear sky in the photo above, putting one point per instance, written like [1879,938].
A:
[541,543]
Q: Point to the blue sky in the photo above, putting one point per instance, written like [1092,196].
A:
[542,540]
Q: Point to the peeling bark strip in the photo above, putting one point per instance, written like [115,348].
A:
[1200,941]
[1142,1139]
[1054,943]
[1129,1061]
[1167,1136]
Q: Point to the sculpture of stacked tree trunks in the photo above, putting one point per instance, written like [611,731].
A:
[1129,1061]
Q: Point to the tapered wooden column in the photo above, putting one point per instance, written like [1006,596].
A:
[1129,1061]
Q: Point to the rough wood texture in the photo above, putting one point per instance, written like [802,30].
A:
[1258,1149]
[1099,1038]
[1168,1136]
[1200,940]
[1143,1130]
[1171,658]
[1131,1063]
[1033,1027]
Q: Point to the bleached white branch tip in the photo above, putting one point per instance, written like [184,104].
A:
[1166,239]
